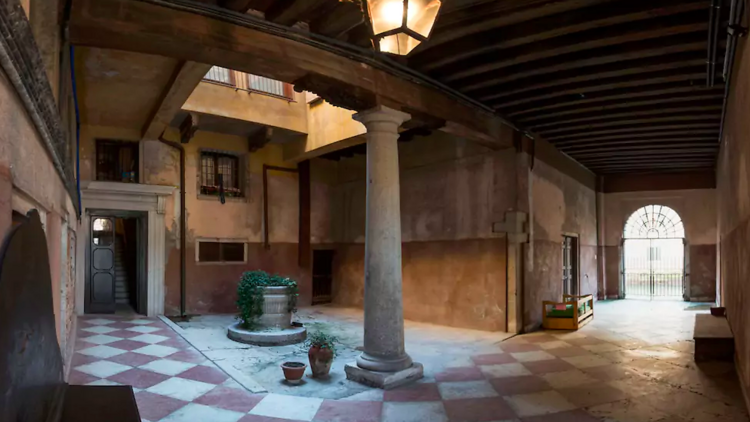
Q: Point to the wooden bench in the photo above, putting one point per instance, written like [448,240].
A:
[713,338]
[573,305]
[32,386]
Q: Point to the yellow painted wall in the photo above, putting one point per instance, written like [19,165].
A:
[330,128]
[225,101]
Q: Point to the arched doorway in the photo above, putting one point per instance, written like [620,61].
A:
[654,254]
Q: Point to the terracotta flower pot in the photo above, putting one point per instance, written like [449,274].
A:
[293,371]
[320,361]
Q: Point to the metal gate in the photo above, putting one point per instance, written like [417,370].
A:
[654,268]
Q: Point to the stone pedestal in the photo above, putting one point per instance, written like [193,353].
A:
[384,362]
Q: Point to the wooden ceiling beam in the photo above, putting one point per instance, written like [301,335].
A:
[585,157]
[240,42]
[611,170]
[596,38]
[582,129]
[640,81]
[289,12]
[598,73]
[580,24]
[694,42]
[658,134]
[344,17]
[186,76]
[655,104]
[462,22]
[692,87]
[651,161]
[631,130]
[628,145]
[637,112]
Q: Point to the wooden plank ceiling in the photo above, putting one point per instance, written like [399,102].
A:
[619,85]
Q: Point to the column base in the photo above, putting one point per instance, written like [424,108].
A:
[384,380]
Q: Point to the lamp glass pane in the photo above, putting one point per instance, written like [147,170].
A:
[385,15]
[400,44]
[421,16]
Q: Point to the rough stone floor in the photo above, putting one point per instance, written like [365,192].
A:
[632,364]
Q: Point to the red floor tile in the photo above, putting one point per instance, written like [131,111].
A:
[127,344]
[138,378]
[189,356]
[547,366]
[493,359]
[120,325]
[469,373]
[610,372]
[204,374]
[132,359]
[413,392]
[519,347]
[154,406]
[230,399]
[166,332]
[586,341]
[124,333]
[79,378]
[571,416]
[519,385]
[176,343]
[349,411]
[79,359]
[478,410]
[539,339]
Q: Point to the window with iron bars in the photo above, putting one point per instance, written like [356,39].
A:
[117,161]
[246,81]
[220,251]
[220,172]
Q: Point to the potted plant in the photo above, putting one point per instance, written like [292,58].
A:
[266,301]
[293,371]
[322,349]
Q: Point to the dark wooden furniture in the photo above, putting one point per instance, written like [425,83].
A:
[713,339]
[32,387]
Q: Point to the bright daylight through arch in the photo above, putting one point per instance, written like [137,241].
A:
[654,222]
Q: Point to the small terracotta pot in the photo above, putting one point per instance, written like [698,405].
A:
[320,361]
[293,371]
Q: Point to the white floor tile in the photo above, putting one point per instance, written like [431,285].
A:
[167,367]
[140,322]
[149,338]
[102,352]
[375,394]
[156,350]
[504,370]
[102,368]
[588,361]
[100,329]
[104,382]
[142,329]
[181,389]
[101,339]
[565,379]
[532,356]
[466,390]
[197,412]
[287,407]
[414,412]
[99,321]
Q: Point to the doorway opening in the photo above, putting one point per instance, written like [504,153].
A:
[570,265]
[654,254]
[116,280]
[322,276]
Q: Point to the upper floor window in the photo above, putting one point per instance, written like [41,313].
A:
[219,171]
[117,161]
[221,75]
[246,81]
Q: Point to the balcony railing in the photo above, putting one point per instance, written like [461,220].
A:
[248,82]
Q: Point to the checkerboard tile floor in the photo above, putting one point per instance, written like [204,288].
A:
[591,375]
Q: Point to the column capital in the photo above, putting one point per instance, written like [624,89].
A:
[383,114]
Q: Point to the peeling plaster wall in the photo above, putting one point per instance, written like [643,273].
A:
[733,203]
[28,180]
[696,208]
[561,205]
[454,270]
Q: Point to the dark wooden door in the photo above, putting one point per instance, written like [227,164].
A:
[102,271]
[322,276]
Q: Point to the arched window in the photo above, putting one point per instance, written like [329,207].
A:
[654,222]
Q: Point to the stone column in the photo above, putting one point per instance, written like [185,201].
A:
[384,362]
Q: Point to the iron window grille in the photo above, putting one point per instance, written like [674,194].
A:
[270,86]
[220,172]
[117,161]
[654,222]
[221,75]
